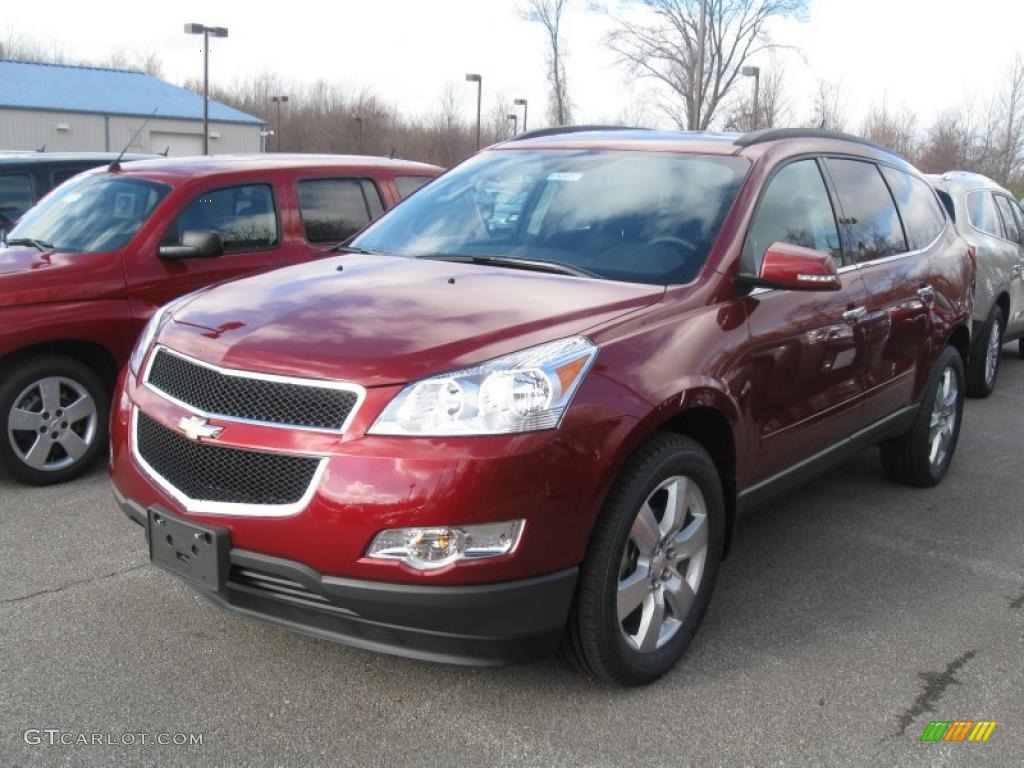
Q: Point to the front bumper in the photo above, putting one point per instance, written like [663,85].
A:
[495,624]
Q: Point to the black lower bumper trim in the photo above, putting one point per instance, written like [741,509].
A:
[486,625]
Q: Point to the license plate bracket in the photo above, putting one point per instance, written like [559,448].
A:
[193,551]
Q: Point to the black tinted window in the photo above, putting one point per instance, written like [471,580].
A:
[334,209]
[245,217]
[922,215]
[409,184]
[869,219]
[981,209]
[15,197]
[794,209]
[1010,224]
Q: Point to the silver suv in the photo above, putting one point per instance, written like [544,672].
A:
[993,223]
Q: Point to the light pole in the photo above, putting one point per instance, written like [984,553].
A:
[754,72]
[279,100]
[359,127]
[478,79]
[206,32]
[515,124]
[522,103]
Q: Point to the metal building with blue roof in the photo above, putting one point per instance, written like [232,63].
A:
[83,109]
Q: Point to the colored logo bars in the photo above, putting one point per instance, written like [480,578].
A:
[958,730]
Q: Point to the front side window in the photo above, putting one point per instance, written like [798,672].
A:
[1010,224]
[633,216]
[15,197]
[982,211]
[245,217]
[92,213]
[921,212]
[794,209]
[869,219]
[334,209]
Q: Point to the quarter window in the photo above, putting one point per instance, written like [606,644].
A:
[869,218]
[922,215]
[334,209]
[245,217]
[409,184]
[795,209]
[1009,219]
[15,197]
[981,209]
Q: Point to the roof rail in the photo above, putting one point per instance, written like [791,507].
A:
[541,132]
[775,134]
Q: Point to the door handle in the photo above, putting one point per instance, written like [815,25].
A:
[855,315]
[926,292]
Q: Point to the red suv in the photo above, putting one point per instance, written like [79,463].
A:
[83,272]
[528,407]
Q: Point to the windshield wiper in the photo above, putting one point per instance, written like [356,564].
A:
[41,245]
[342,248]
[537,265]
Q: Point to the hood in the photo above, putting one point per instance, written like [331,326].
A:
[377,320]
[28,276]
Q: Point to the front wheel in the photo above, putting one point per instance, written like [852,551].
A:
[651,566]
[55,412]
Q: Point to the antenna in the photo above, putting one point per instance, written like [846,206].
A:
[116,165]
[42,148]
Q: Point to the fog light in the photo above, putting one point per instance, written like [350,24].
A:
[427,548]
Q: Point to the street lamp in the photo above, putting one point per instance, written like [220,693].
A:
[206,32]
[522,103]
[754,72]
[279,100]
[515,124]
[478,79]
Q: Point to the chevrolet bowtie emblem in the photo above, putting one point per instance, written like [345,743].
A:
[196,428]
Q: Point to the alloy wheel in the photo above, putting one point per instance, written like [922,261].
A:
[993,351]
[942,426]
[662,564]
[52,424]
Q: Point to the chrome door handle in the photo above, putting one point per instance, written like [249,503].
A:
[855,315]
[926,292]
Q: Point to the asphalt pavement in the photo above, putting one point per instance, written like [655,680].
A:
[847,617]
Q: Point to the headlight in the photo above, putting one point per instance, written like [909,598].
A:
[522,392]
[149,333]
[429,548]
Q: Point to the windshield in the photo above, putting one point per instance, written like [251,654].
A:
[646,217]
[91,213]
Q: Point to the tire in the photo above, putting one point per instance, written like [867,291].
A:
[1020,348]
[53,419]
[909,459]
[629,652]
[983,368]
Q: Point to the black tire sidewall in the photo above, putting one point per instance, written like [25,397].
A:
[977,386]
[33,369]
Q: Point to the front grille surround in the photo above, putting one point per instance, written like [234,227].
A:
[274,400]
[249,508]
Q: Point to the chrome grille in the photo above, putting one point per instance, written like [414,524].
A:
[213,473]
[241,395]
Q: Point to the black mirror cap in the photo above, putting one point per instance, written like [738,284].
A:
[195,244]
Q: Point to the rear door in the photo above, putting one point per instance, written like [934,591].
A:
[1013,226]
[806,370]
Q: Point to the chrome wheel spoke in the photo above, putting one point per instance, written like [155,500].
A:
[692,540]
[25,421]
[49,393]
[679,596]
[36,456]
[73,444]
[632,591]
[82,408]
[676,504]
[649,633]
[645,533]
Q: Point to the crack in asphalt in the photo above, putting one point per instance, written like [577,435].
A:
[80,582]
[935,684]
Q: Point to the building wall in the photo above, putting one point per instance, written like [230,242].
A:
[31,129]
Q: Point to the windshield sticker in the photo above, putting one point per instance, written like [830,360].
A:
[565,177]
[124,204]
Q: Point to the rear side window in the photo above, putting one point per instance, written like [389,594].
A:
[409,184]
[869,219]
[795,209]
[981,209]
[15,197]
[1010,223]
[334,209]
[245,217]
[922,216]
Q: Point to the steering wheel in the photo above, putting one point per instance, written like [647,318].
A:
[670,240]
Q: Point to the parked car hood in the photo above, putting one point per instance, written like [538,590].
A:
[378,320]
[29,276]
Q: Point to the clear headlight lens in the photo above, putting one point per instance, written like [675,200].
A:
[428,548]
[148,335]
[522,392]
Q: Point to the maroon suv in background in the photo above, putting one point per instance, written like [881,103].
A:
[527,408]
[84,270]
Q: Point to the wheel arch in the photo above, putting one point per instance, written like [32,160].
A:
[96,356]
[960,339]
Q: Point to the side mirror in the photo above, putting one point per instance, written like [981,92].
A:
[195,244]
[795,268]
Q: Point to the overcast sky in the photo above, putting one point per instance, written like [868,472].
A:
[926,55]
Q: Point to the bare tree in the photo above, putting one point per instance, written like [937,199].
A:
[828,112]
[548,13]
[893,129]
[948,144]
[773,105]
[665,44]
[1007,162]
[498,126]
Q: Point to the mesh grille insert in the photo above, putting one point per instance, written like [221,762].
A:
[206,472]
[242,397]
